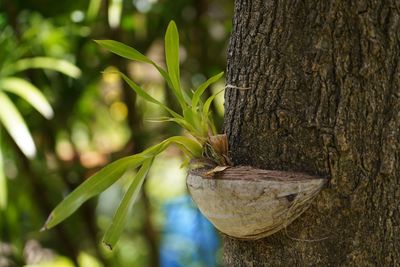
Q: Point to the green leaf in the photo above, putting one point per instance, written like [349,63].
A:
[181,122]
[172,60]
[206,112]
[3,184]
[190,145]
[92,187]
[131,53]
[119,220]
[207,104]
[124,51]
[16,127]
[111,173]
[200,90]
[55,64]
[194,120]
[194,147]
[146,96]
[30,93]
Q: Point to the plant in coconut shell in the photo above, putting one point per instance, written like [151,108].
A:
[195,119]
[241,201]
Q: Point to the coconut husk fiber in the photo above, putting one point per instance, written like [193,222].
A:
[249,203]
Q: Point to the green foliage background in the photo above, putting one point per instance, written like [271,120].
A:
[96,119]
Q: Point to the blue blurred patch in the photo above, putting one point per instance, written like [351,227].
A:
[188,239]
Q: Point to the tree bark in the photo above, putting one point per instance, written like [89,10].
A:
[324,98]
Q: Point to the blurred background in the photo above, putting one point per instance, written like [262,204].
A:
[61,120]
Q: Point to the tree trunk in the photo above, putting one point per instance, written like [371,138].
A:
[324,98]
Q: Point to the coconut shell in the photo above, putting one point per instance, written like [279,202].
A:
[249,203]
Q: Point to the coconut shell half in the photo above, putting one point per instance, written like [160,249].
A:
[249,203]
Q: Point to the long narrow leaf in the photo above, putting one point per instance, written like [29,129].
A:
[55,64]
[146,96]
[207,104]
[193,118]
[119,220]
[123,50]
[92,187]
[200,90]
[110,174]
[181,122]
[191,145]
[155,149]
[206,112]
[16,127]
[131,53]
[29,92]
[172,59]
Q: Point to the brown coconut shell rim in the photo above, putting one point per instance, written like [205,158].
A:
[252,174]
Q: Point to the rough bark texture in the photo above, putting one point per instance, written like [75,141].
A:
[324,99]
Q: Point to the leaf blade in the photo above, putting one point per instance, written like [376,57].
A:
[50,63]
[172,59]
[172,53]
[30,93]
[16,126]
[207,104]
[146,96]
[200,90]
[91,187]
[189,144]
[206,112]
[123,50]
[193,146]
[181,122]
[131,53]
[115,229]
